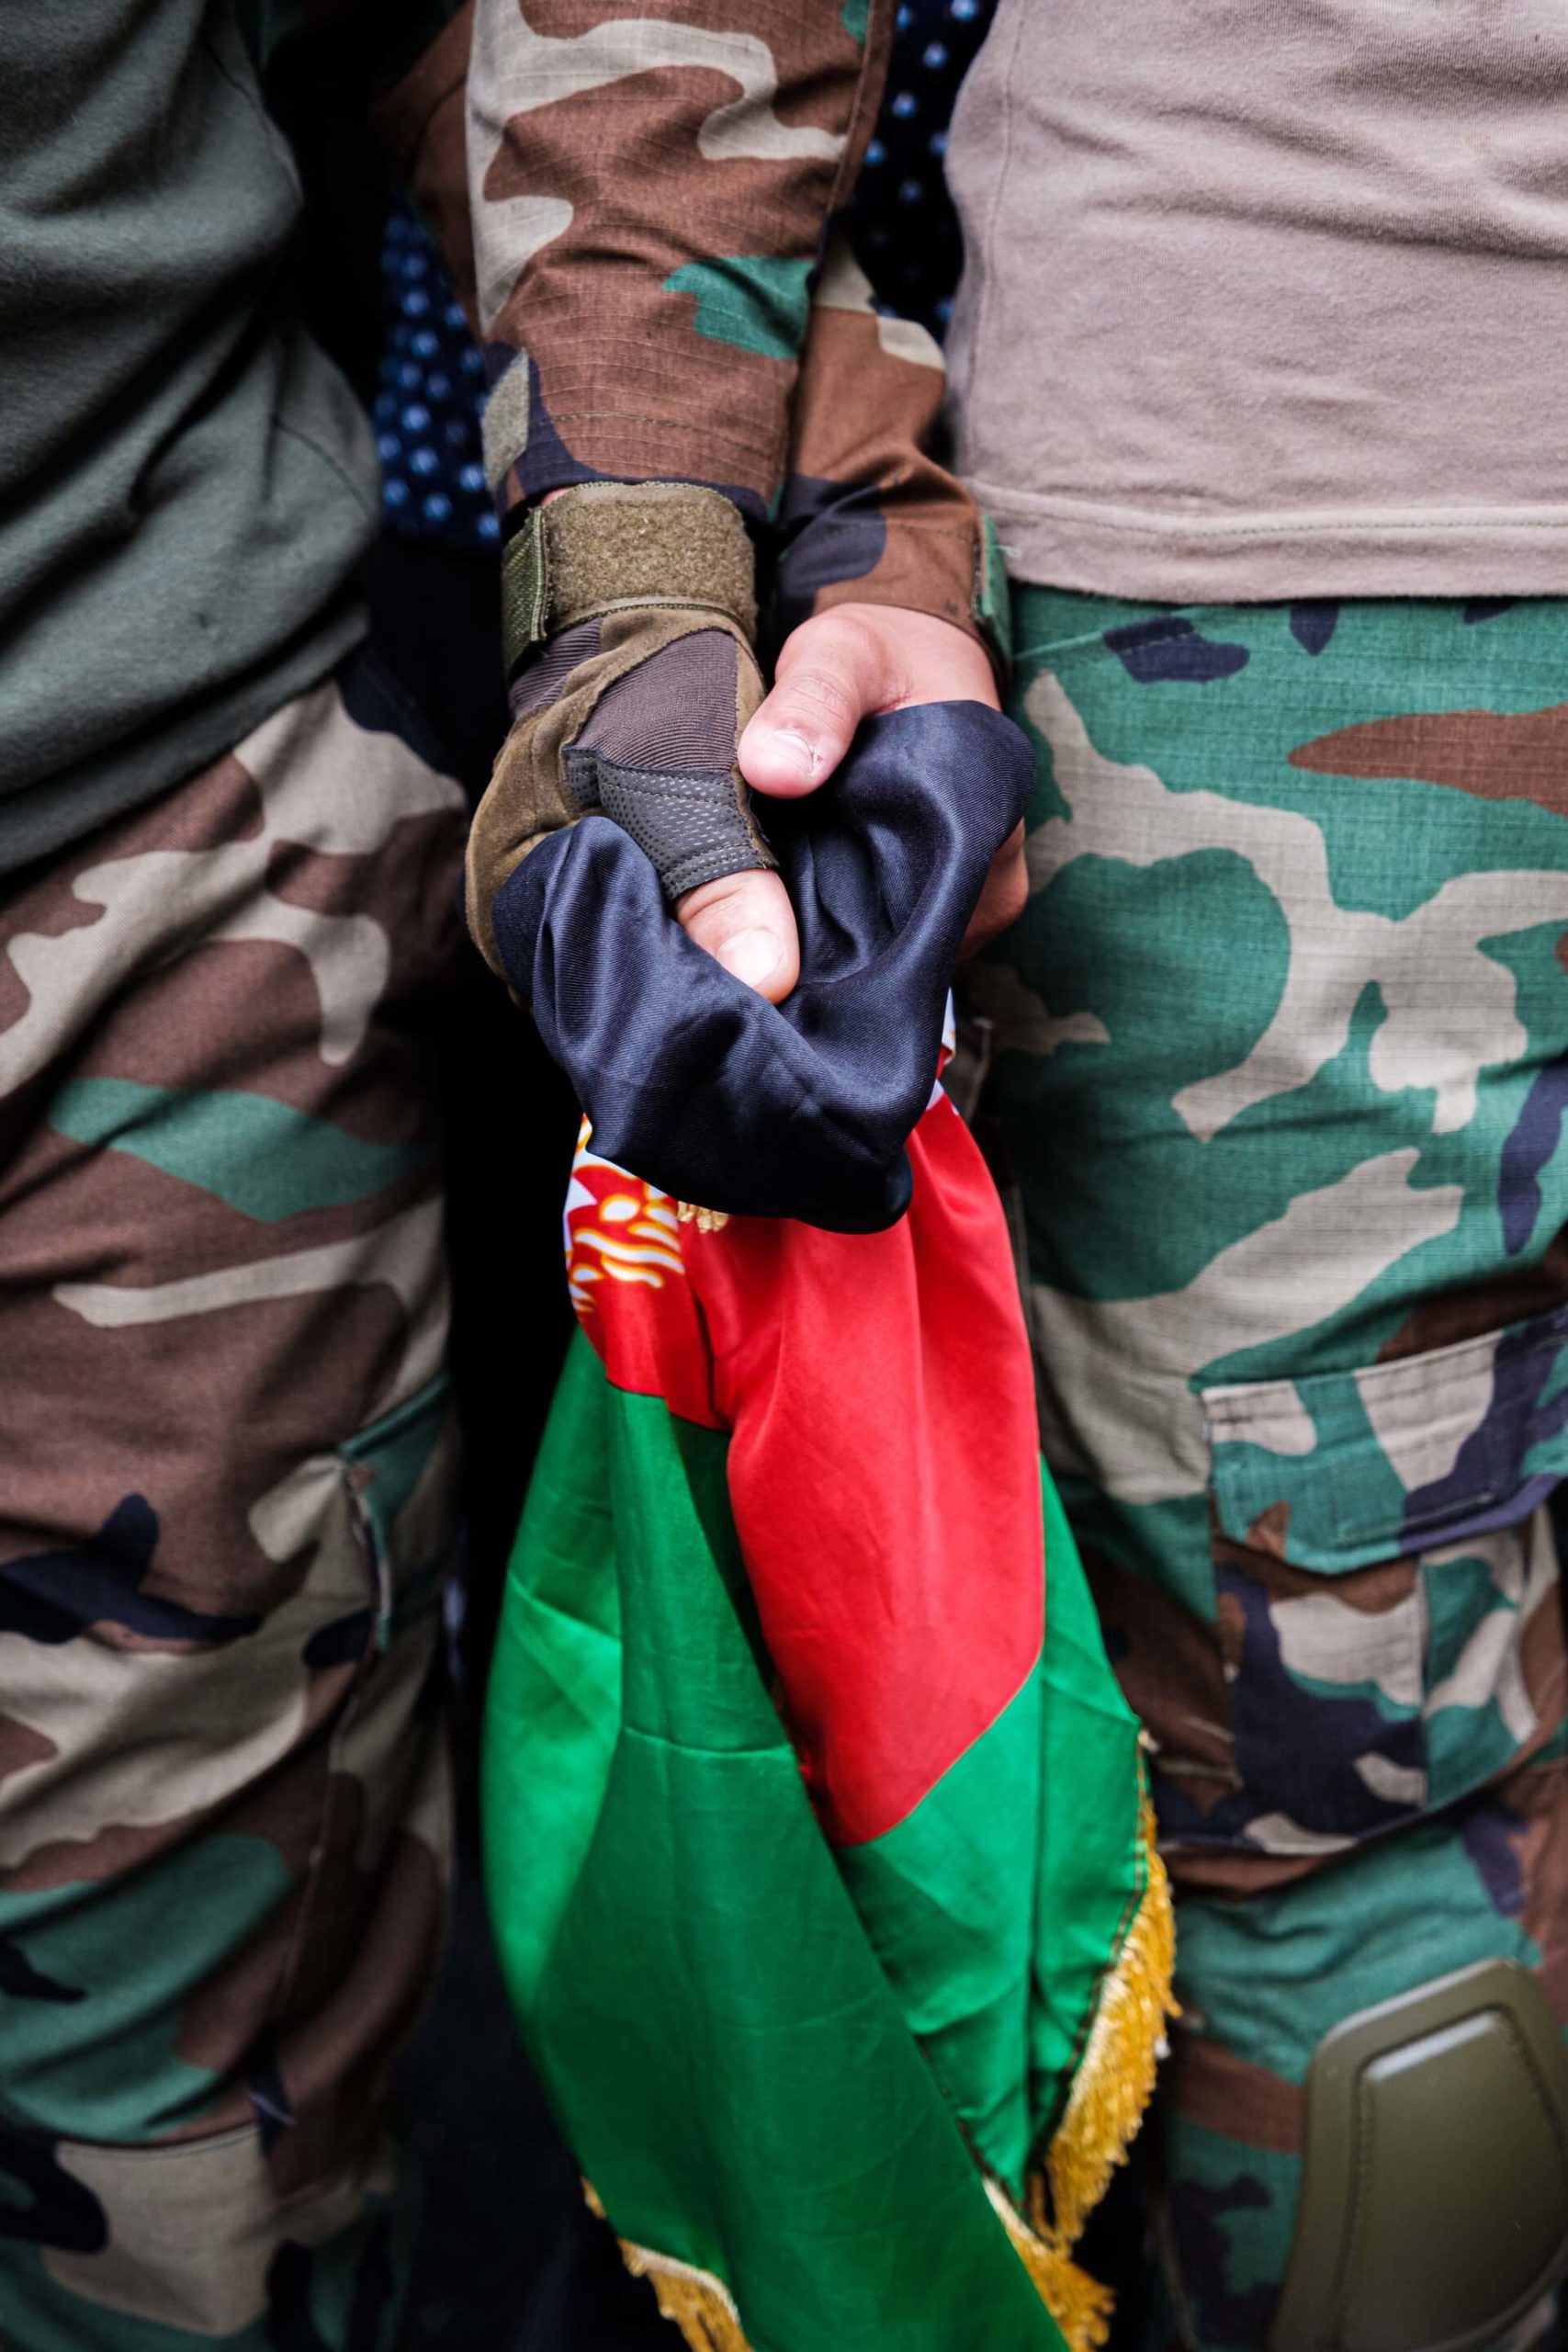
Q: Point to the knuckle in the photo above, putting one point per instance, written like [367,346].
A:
[1015,894]
[1006,895]
[822,692]
[725,892]
[842,642]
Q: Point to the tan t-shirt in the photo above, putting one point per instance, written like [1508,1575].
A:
[1267,297]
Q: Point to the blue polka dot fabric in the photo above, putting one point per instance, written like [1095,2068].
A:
[430,393]
[902,225]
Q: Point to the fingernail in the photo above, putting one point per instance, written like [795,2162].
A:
[796,748]
[752,956]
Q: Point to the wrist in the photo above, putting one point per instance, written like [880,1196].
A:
[600,547]
[944,562]
[915,655]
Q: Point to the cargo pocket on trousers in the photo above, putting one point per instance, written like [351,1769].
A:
[1386,1581]
[180,2242]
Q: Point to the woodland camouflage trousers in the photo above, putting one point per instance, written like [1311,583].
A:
[1281,1061]
[225,1506]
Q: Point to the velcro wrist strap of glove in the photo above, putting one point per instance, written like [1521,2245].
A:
[607,546]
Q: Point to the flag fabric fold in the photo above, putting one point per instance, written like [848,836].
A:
[816,1842]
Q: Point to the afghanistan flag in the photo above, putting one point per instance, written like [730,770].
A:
[817,1847]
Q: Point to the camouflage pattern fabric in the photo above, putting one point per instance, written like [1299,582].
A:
[227,1504]
[1280,1060]
[866,516]
[650,192]
[651,199]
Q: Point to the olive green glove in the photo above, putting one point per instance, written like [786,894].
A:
[629,619]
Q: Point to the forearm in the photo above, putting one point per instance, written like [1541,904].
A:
[649,196]
[868,516]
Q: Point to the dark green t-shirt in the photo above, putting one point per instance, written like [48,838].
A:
[187,484]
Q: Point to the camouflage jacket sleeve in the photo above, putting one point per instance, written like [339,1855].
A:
[651,183]
[868,516]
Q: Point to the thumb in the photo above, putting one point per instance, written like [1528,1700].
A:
[831,672]
[746,924]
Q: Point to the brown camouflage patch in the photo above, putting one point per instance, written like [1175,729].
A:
[1230,1871]
[1469,1314]
[1225,2093]
[1269,1533]
[1169,1667]
[22,1746]
[1539,1794]
[1492,754]
[1543,1667]
[1370,1592]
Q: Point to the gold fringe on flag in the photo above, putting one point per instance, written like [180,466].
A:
[696,2302]
[1112,2087]
[1080,2306]
[1115,2078]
